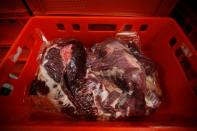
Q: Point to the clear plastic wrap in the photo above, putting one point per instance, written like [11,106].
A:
[112,80]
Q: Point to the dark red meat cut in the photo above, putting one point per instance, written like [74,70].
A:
[112,80]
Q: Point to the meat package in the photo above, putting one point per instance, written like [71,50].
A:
[112,80]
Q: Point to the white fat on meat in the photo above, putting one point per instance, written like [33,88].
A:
[128,111]
[118,114]
[113,72]
[43,76]
[104,94]
[45,60]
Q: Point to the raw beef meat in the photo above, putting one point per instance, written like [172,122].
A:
[61,59]
[112,80]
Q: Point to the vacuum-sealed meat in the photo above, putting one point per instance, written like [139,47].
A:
[112,80]
[62,66]
[127,77]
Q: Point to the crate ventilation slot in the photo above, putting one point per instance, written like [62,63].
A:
[127,27]
[102,27]
[60,27]
[172,41]
[143,27]
[76,27]
[6,89]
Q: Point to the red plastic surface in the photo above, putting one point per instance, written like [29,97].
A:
[10,29]
[185,15]
[161,39]
[102,7]
[192,36]
[13,9]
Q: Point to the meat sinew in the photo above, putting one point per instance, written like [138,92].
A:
[112,80]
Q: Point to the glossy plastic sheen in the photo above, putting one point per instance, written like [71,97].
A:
[161,39]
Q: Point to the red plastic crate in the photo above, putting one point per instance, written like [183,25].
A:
[185,15]
[13,9]
[102,7]
[10,29]
[161,39]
